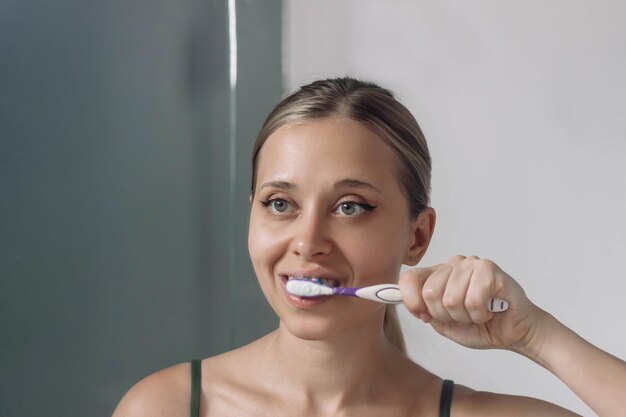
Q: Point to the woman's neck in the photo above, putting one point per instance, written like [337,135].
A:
[329,374]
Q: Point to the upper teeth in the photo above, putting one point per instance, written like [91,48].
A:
[323,281]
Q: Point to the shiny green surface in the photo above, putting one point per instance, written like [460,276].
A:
[118,213]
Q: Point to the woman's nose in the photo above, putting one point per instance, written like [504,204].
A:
[311,238]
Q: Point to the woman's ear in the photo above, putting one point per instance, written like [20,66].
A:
[422,228]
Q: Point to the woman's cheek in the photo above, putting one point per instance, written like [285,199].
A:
[261,245]
[377,258]
[265,244]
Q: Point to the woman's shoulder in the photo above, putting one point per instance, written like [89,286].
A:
[163,393]
[469,403]
[168,392]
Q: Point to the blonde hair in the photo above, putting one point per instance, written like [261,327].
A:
[376,108]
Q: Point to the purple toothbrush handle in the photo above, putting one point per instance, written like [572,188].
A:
[345,291]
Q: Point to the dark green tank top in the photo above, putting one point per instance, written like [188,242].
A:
[196,386]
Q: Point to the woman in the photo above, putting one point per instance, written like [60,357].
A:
[341,177]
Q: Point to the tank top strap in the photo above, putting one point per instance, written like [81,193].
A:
[196,387]
[445,401]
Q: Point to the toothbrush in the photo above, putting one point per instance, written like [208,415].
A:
[382,293]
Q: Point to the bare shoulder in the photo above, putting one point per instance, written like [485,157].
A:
[164,393]
[470,403]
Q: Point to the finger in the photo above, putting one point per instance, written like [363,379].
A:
[478,294]
[411,285]
[455,293]
[433,291]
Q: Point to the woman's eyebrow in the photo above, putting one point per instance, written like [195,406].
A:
[347,183]
[353,183]
[282,185]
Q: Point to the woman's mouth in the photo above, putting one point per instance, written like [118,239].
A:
[329,282]
[308,302]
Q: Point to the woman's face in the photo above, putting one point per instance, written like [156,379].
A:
[327,204]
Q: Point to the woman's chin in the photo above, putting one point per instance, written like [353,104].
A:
[313,329]
[329,329]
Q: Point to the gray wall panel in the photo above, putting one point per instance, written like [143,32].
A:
[114,142]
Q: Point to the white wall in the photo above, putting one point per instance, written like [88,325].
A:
[523,107]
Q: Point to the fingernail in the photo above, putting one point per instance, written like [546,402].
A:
[425,317]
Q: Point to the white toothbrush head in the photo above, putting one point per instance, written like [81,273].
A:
[303,288]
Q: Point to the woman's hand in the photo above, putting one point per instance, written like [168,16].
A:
[454,296]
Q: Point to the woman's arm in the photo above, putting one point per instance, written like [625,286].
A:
[595,376]
[453,298]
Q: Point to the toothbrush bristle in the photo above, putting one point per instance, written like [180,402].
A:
[306,288]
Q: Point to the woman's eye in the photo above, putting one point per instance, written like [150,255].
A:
[277,205]
[353,209]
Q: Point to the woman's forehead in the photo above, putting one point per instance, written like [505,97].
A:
[331,149]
